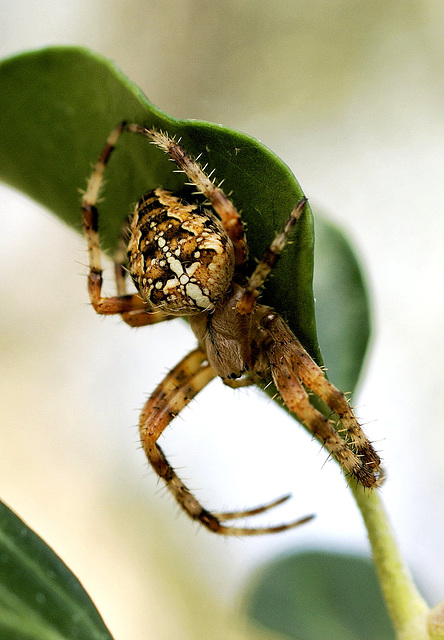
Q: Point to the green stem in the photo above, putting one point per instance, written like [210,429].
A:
[405,605]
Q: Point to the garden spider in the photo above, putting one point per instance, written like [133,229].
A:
[189,260]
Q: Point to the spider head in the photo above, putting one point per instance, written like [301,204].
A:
[180,257]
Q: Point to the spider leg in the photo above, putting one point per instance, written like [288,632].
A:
[223,206]
[233,515]
[297,400]
[178,388]
[269,259]
[291,366]
[308,372]
[132,307]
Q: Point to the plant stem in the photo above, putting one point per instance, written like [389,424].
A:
[405,605]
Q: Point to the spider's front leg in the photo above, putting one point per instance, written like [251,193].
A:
[173,394]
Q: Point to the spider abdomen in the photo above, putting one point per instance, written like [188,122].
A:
[180,257]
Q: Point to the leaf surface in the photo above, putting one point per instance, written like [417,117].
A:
[40,599]
[342,305]
[320,596]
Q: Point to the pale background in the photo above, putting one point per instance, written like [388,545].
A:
[350,94]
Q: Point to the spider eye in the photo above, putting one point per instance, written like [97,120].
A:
[180,257]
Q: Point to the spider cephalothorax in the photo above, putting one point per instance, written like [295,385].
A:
[189,260]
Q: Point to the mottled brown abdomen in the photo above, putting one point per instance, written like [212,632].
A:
[180,257]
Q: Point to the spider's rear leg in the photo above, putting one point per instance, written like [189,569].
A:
[310,374]
[297,400]
[90,216]
[177,389]
[291,364]
[133,309]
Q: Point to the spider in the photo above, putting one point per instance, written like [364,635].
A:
[188,259]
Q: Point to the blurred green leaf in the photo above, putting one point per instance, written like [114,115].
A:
[342,305]
[320,596]
[40,599]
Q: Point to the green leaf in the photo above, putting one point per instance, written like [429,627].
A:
[342,305]
[320,596]
[40,599]
[57,106]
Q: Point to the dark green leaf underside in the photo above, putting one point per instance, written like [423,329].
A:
[40,599]
[342,305]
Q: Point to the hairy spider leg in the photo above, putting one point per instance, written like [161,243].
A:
[172,395]
[131,306]
[291,366]
[222,205]
[308,371]
[270,257]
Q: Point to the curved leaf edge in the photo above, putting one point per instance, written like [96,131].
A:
[39,594]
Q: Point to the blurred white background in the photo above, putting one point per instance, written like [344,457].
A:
[350,94]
